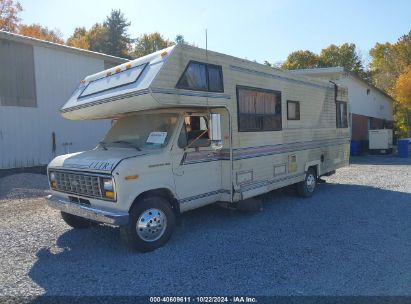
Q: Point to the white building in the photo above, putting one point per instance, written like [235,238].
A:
[36,79]
[369,107]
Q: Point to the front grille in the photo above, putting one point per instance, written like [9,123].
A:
[87,185]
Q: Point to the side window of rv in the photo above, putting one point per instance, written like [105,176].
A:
[342,119]
[258,110]
[293,110]
[202,77]
[194,132]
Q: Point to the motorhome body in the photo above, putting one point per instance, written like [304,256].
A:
[192,127]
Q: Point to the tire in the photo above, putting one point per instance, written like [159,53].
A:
[151,224]
[76,222]
[307,187]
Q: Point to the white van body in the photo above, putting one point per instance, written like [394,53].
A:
[273,128]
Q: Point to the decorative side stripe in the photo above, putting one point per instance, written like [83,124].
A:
[260,184]
[105,100]
[251,152]
[190,93]
[268,75]
[191,198]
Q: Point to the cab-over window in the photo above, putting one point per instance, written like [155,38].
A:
[201,76]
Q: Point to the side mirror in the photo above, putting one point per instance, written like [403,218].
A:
[215,131]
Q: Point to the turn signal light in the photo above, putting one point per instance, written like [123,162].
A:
[164,54]
[110,194]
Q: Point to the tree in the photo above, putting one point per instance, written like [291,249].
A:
[150,43]
[402,93]
[301,60]
[41,32]
[9,10]
[390,70]
[402,88]
[97,37]
[345,55]
[118,41]
[267,63]
[388,61]
[79,39]
[180,39]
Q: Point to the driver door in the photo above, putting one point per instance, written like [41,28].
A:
[196,166]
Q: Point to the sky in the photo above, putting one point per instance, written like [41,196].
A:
[253,29]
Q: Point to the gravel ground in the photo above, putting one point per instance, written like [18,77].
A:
[352,238]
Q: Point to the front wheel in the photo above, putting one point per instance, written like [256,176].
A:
[151,224]
[307,187]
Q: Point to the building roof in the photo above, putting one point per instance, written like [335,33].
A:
[338,70]
[60,47]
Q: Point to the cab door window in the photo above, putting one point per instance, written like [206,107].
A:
[194,133]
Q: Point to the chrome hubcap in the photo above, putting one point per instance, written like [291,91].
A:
[310,182]
[151,225]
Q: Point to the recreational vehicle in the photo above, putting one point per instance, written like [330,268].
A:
[191,127]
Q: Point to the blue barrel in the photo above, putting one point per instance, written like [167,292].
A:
[402,146]
[355,147]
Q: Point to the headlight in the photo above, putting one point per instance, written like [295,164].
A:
[108,184]
[108,188]
[53,180]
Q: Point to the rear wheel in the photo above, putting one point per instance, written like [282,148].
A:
[307,187]
[76,221]
[151,224]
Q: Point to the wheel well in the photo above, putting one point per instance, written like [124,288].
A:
[163,192]
[315,168]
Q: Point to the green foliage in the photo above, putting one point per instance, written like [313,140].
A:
[390,71]
[79,39]
[118,41]
[97,38]
[180,39]
[150,43]
[110,37]
[344,55]
[301,60]
[389,61]
[267,63]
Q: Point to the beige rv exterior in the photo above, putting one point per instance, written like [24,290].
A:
[247,162]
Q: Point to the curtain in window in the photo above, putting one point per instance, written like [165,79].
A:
[259,110]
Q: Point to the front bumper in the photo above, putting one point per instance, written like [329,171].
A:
[87,212]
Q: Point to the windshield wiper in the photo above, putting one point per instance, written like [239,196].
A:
[103,144]
[127,143]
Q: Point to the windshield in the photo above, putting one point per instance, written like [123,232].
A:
[148,131]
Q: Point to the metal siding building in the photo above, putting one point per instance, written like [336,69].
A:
[369,107]
[32,131]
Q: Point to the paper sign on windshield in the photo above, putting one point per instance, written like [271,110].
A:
[157,137]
